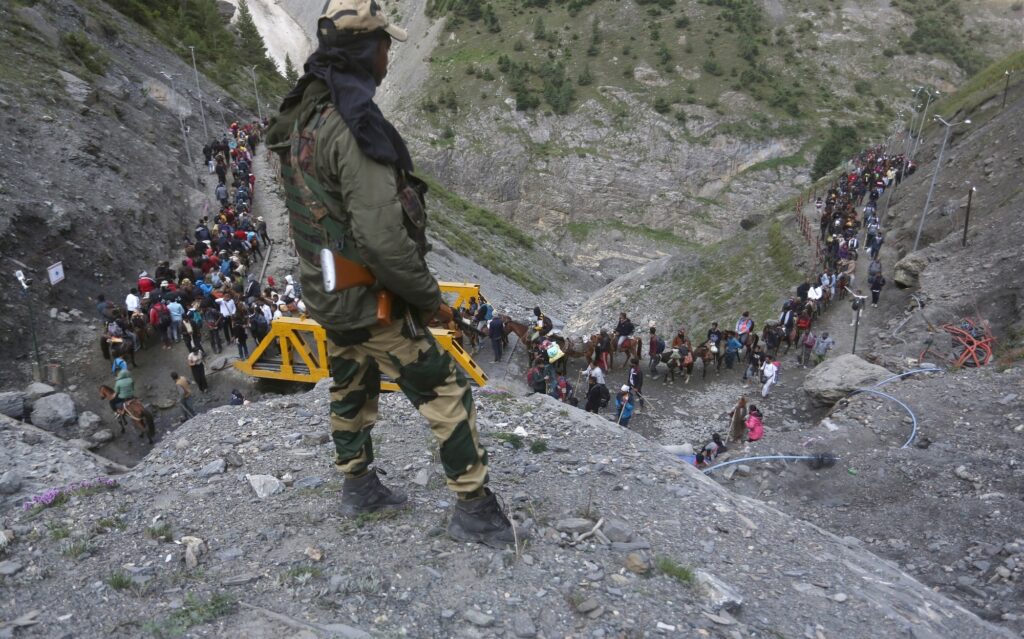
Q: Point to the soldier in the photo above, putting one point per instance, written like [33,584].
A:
[350,188]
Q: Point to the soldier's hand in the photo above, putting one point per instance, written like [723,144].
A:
[443,315]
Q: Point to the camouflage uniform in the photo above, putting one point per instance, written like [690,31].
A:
[376,219]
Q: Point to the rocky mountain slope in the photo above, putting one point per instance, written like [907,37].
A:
[94,169]
[676,116]
[624,541]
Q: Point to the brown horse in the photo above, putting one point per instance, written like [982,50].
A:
[706,357]
[134,409]
[112,347]
[520,330]
[631,347]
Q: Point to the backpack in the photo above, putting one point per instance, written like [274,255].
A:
[661,346]
[605,395]
[810,340]
[259,320]
[164,315]
[857,304]
[803,323]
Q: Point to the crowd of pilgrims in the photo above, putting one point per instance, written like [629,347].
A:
[212,294]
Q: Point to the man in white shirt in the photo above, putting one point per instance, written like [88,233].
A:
[596,372]
[227,311]
[131,302]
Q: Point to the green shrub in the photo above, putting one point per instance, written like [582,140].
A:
[88,54]
[841,143]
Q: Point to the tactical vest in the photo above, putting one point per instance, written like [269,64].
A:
[318,217]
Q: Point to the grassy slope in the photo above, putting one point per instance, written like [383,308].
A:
[486,238]
[790,82]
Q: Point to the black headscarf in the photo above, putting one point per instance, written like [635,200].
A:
[347,70]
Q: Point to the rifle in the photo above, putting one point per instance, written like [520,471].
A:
[341,274]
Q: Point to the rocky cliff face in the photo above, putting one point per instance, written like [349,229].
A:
[94,169]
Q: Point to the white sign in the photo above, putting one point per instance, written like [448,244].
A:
[56,273]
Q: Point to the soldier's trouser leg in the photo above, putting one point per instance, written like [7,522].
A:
[428,377]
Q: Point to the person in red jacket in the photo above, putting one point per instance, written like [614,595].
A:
[146,283]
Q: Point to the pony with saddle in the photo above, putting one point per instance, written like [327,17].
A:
[630,347]
[135,410]
[566,344]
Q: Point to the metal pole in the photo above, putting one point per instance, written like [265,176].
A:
[1006,88]
[32,326]
[924,117]
[967,218]
[856,328]
[259,109]
[935,175]
[199,90]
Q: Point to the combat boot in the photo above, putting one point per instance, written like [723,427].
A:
[481,520]
[365,494]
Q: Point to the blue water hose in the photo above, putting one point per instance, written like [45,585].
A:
[821,457]
[825,459]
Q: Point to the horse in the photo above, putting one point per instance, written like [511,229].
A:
[704,354]
[113,347]
[566,344]
[841,283]
[140,327]
[134,409]
[775,333]
[630,347]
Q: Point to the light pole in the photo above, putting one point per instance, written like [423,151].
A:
[222,110]
[38,373]
[924,117]
[259,109]
[199,90]
[935,174]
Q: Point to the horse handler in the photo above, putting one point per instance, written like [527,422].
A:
[350,188]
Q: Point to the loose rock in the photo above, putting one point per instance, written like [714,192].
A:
[265,485]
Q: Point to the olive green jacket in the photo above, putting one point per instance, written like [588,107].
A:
[370,211]
[125,385]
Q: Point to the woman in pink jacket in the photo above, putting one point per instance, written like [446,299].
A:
[755,427]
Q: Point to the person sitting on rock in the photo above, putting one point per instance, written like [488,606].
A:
[754,424]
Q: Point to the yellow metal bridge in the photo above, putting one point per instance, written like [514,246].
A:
[295,349]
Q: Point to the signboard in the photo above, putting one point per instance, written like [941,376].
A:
[56,273]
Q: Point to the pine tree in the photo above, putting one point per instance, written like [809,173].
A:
[290,74]
[250,42]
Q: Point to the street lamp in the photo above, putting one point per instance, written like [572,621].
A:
[259,109]
[199,90]
[935,174]
[25,282]
[222,110]
[924,117]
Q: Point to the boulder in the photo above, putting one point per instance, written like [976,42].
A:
[102,436]
[54,412]
[88,421]
[908,270]
[35,390]
[265,485]
[10,483]
[717,593]
[836,378]
[12,404]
